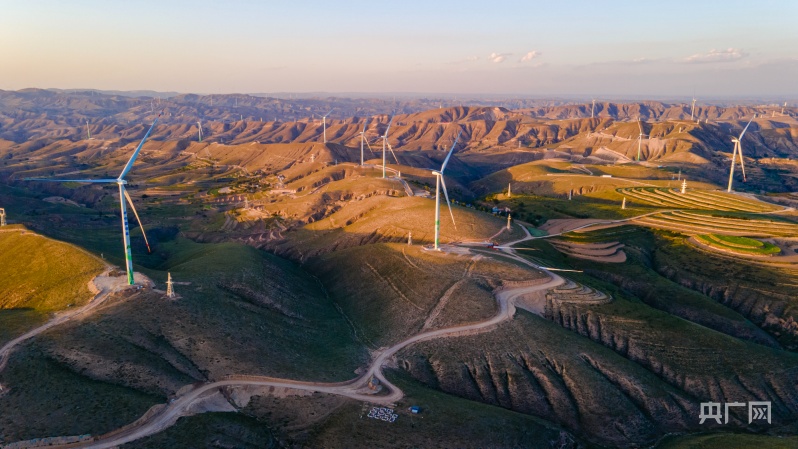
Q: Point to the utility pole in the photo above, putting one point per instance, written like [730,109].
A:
[170,291]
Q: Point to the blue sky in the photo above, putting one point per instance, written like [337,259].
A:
[592,48]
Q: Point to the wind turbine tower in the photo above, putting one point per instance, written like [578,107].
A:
[438,183]
[509,190]
[509,221]
[123,198]
[199,127]
[684,186]
[324,124]
[738,149]
[593,109]
[692,109]
[88,131]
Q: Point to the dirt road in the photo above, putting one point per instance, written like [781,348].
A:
[166,415]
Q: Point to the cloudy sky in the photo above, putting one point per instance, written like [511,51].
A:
[593,48]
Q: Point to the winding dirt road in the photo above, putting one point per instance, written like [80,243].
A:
[163,416]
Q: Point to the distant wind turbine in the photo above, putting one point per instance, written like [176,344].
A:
[88,131]
[199,128]
[324,124]
[123,197]
[384,144]
[640,139]
[593,109]
[692,109]
[438,183]
[363,139]
[738,150]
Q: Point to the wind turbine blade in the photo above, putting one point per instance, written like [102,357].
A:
[136,214]
[746,128]
[640,126]
[129,164]
[389,127]
[365,122]
[325,115]
[93,181]
[446,161]
[740,153]
[369,145]
[446,195]
[394,154]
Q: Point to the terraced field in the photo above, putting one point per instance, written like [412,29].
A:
[691,223]
[605,252]
[694,199]
[741,245]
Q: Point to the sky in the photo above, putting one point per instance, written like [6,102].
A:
[528,48]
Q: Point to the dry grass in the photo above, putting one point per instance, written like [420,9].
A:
[40,276]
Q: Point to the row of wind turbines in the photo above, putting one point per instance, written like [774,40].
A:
[440,184]
[125,199]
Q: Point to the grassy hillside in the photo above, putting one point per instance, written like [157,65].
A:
[40,276]
[240,311]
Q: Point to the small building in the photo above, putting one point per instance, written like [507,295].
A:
[415,409]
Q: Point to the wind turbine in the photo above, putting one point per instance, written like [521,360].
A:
[363,139]
[692,109]
[438,183]
[199,126]
[384,144]
[593,109]
[738,149]
[324,124]
[123,195]
[88,131]
[640,139]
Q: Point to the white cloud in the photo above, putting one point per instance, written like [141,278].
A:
[472,58]
[498,57]
[530,55]
[728,55]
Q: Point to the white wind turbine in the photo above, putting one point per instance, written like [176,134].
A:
[692,109]
[593,109]
[384,145]
[324,124]
[363,139]
[738,150]
[438,183]
[123,195]
[640,139]
[199,127]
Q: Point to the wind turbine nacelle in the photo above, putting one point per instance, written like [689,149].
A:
[735,140]
[436,173]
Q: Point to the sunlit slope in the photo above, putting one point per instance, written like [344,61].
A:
[393,219]
[40,276]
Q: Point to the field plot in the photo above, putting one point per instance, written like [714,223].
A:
[742,245]
[695,223]
[695,199]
